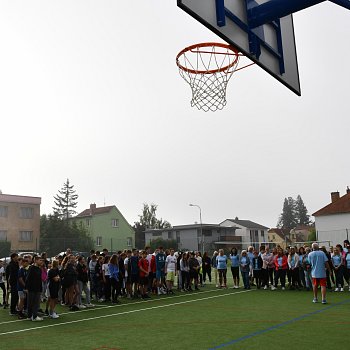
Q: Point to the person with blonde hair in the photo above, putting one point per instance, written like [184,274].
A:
[221,262]
[244,263]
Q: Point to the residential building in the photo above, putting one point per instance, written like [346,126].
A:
[279,237]
[333,221]
[252,233]
[107,227]
[20,221]
[196,237]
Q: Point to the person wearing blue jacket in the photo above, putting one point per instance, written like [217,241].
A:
[113,267]
[244,263]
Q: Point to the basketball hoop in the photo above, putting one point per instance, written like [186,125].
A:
[207,68]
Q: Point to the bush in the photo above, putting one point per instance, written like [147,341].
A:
[5,248]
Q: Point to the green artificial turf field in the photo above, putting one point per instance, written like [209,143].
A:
[208,319]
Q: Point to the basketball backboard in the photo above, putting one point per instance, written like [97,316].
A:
[271,45]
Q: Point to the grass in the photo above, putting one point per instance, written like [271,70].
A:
[201,320]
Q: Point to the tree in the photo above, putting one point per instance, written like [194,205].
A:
[165,243]
[147,220]
[287,219]
[65,201]
[312,237]
[58,234]
[302,216]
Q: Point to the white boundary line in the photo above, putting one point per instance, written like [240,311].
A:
[124,312]
[101,307]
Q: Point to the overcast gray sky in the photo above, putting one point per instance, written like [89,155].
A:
[90,91]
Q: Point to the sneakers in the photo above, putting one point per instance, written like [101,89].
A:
[314,300]
[273,287]
[265,287]
[37,319]
[336,289]
[324,301]
[90,305]
[342,289]
[283,288]
[74,308]
[54,315]
[21,315]
[81,306]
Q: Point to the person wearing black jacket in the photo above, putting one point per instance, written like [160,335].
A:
[13,276]
[33,286]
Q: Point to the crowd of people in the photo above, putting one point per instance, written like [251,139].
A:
[73,281]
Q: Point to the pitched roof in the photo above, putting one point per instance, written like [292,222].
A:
[10,198]
[248,224]
[96,211]
[339,206]
[283,233]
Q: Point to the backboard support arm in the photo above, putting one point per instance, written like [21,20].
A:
[256,35]
[343,3]
[273,9]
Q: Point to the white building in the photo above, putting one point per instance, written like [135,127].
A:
[333,221]
[252,233]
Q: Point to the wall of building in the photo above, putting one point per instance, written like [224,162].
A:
[13,224]
[112,238]
[334,228]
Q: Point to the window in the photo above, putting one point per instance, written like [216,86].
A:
[129,241]
[3,235]
[262,234]
[26,236]
[114,222]
[156,234]
[207,233]
[88,222]
[99,241]
[177,237]
[26,213]
[170,235]
[3,211]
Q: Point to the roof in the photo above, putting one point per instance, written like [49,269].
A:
[339,206]
[248,224]
[190,227]
[96,211]
[10,198]
[283,233]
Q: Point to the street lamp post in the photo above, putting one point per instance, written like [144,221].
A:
[201,226]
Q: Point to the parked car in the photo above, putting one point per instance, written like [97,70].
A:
[5,260]
[22,254]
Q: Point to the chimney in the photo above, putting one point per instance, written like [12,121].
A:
[347,190]
[335,196]
[92,208]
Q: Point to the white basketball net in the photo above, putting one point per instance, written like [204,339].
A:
[207,69]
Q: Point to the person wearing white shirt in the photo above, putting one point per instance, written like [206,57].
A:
[170,268]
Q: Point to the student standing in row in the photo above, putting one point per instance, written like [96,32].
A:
[234,257]
[33,286]
[221,262]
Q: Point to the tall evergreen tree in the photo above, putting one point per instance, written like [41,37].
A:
[65,201]
[287,219]
[301,212]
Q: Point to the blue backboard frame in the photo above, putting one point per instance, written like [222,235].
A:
[228,20]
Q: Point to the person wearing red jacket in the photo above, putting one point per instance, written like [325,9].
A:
[281,266]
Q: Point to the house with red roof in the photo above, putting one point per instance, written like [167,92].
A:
[107,227]
[333,221]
